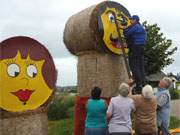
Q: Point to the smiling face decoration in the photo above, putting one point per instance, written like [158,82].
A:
[27,74]
[107,27]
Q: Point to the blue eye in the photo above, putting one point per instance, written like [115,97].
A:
[111,18]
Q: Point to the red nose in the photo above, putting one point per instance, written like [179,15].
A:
[23,95]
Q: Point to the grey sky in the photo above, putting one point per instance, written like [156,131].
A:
[44,20]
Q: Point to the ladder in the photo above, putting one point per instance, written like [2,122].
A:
[121,41]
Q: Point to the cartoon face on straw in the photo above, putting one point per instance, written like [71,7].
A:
[108,29]
[27,74]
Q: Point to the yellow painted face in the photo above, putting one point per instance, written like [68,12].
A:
[110,36]
[22,86]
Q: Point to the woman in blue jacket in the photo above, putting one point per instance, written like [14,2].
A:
[96,123]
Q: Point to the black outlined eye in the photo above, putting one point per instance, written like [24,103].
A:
[13,70]
[123,21]
[31,71]
[111,18]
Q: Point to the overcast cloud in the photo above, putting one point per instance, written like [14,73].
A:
[44,20]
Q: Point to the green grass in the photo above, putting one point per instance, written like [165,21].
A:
[65,126]
[61,127]
[61,115]
[174,122]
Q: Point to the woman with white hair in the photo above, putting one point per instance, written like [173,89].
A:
[119,111]
[145,114]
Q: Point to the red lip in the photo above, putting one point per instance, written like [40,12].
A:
[23,95]
[116,44]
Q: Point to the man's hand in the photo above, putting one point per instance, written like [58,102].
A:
[125,45]
[124,27]
[131,82]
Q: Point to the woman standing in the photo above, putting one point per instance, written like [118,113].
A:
[145,114]
[119,112]
[96,123]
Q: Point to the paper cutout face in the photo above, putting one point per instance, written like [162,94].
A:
[108,29]
[22,84]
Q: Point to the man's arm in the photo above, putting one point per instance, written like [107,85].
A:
[129,31]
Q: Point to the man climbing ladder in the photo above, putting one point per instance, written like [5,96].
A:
[135,36]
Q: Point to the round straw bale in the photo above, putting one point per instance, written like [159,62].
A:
[84,31]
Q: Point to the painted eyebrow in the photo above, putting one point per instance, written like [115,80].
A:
[109,11]
[30,62]
[119,15]
[10,61]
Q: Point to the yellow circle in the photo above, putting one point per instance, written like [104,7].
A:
[22,86]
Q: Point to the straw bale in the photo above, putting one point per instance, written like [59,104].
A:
[82,33]
[99,69]
[35,124]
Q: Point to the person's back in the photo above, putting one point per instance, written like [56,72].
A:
[135,34]
[145,115]
[96,114]
[119,111]
[96,122]
[121,108]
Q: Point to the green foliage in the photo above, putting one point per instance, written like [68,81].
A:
[157,52]
[174,123]
[65,126]
[62,127]
[60,115]
[60,106]
[175,94]
[73,91]
[177,85]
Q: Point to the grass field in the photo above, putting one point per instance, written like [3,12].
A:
[174,122]
[65,126]
[61,127]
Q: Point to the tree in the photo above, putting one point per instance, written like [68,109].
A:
[157,50]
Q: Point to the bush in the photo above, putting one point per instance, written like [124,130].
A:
[59,108]
[175,94]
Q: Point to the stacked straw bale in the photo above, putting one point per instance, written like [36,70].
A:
[82,30]
[103,70]
[97,66]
